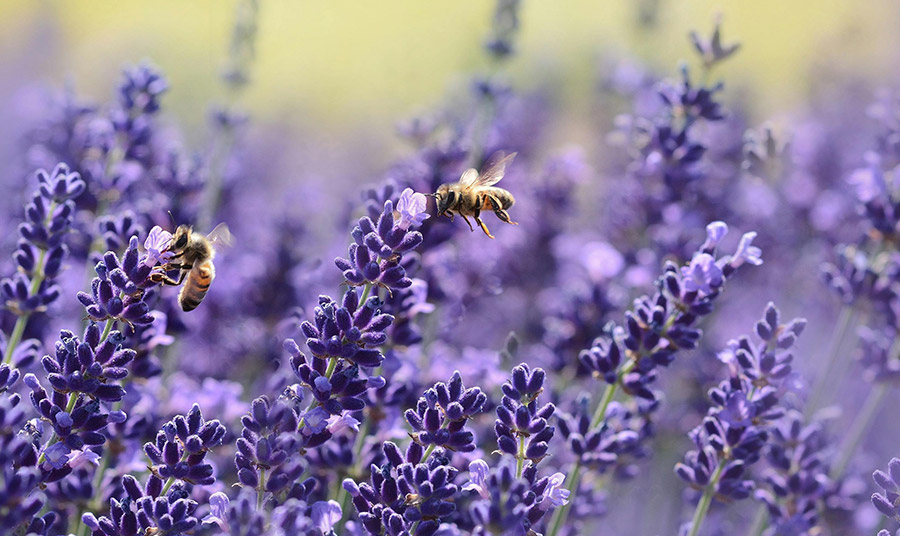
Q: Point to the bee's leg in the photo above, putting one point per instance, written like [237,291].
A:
[166,280]
[483,227]
[498,210]
[449,214]
[184,272]
[463,216]
[479,202]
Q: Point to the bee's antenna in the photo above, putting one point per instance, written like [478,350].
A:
[171,217]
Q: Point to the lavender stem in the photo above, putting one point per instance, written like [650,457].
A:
[22,322]
[574,477]
[760,521]
[860,426]
[843,326]
[706,500]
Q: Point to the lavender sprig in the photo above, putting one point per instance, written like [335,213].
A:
[410,494]
[180,449]
[888,500]
[745,407]
[656,329]
[797,480]
[40,252]
[521,427]
[441,414]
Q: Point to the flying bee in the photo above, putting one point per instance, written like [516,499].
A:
[193,257]
[476,192]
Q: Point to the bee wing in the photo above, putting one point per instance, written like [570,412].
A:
[495,169]
[220,237]
[469,177]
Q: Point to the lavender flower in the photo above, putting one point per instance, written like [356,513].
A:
[353,331]
[737,427]
[655,330]
[40,251]
[888,499]
[181,447]
[82,376]
[377,249]
[662,324]
[711,50]
[267,451]
[411,209]
[336,390]
[797,481]
[441,415]
[149,510]
[118,292]
[505,24]
[90,366]
[116,231]
[508,504]
[408,493]
[336,417]
[521,427]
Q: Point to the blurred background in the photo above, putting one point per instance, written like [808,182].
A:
[315,124]
[342,66]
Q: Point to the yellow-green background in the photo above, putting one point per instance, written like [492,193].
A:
[342,63]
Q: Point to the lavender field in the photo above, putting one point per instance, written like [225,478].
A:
[675,309]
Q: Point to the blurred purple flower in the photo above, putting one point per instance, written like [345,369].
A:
[746,252]
[555,495]
[56,456]
[315,421]
[83,458]
[478,474]
[411,209]
[156,244]
[702,274]
[325,515]
[344,421]
[218,511]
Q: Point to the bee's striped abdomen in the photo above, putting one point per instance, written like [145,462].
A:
[196,285]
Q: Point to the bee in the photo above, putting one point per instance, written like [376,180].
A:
[194,254]
[476,192]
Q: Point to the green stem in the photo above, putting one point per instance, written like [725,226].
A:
[171,479]
[166,486]
[37,278]
[365,293]
[760,521]
[845,320]
[858,431]
[107,329]
[520,457]
[16,337]
[262,489]
[574,476]
[706,500]
[427,453]
[332,364]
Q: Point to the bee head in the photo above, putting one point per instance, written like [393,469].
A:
[181,237]
[444,198]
